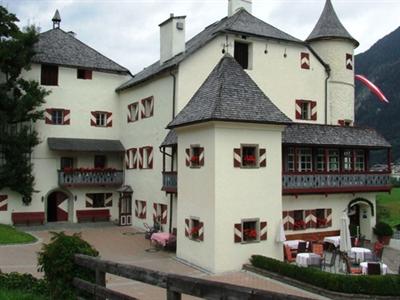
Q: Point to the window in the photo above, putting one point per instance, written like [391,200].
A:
[249,156]
[140,209]
[98,200]
[133,112]
[349,61]
[194,229]
[347,160]
[298,216]
[66,163]
[160,213]
[146,154]
[305,60]
[57,116]
[320,160]
[306,110]
[196,156]
[84,74]
[250,230]
[241,53]
[49,75]
[305,160]
[101,119]
[147,107]
[100,161]
[360,160]
[333,160]
[320,215]
[291,160]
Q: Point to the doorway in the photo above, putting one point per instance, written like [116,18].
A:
[57,207]
[125,209]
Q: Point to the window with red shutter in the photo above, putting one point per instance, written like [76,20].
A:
[84,74]
[49,75]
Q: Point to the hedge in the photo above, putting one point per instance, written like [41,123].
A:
[387,285]
[23,283]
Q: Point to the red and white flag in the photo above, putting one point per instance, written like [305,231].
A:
[372,87]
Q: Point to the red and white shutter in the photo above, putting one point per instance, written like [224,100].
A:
[134,158]
[3,202]
[109,119]
[237,233]
[314,110]
[329,217]
[108,200]
[133,115]
[89,200]
[142,212]
[237,158]
[305,60]
[310,218]
[164,213]
[151,106]
[201,231]
[93,115]
[48,116]
[263,231]
[62,207]
[149,157]
[187,229]
[187,157]
[127,158]
[262,157]
[140,158]
[67,117]
[349,61]
[298,109]
[288,220]
[137,208]
[201,156]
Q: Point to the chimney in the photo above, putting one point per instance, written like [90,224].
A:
[235,5]
[172,37]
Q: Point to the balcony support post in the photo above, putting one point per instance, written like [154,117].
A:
[389,159]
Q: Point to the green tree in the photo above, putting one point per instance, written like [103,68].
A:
[20,102]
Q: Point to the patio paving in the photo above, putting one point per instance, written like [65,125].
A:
[128,245]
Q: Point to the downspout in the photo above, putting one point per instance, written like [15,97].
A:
[328,72]
[173,93]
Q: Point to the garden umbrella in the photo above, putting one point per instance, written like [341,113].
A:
[281,237]
[345,242]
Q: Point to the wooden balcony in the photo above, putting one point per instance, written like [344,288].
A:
[85,177]
[170,182]
[324,183]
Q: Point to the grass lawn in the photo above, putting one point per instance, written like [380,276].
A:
[388,207]
[10,235]
[17,295]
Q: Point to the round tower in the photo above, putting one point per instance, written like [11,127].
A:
[332,42]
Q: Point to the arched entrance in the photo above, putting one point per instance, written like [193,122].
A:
[361,215]
[57,207]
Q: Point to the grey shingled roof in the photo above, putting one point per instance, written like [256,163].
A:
[241,22]
[229,94]
[310,134]
[329,26]
[85,145]
[170,139]
[61,48]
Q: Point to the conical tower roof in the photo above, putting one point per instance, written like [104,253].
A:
[330,27]
[229,94]
[56,17]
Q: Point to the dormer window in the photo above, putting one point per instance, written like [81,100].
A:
[242,54]
[49,75]
[84,74]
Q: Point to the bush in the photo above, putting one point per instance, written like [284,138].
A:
[388,285]
[383,229]
[23,283]
[57,261]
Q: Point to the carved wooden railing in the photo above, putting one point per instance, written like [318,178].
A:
[331,182]
[79,177]
[170,182]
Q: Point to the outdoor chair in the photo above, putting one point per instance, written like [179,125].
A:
[309,246]
[288,254]
[374,268]
[318,249]
[302,247]
[331,263]
[349,268]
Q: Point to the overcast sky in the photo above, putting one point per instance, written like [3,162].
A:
[127,30]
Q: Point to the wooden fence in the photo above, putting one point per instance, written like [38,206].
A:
[175,285]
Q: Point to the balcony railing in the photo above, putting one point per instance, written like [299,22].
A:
[330,183]
[170,182]
[79,177]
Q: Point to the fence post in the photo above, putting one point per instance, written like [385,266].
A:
[171,295]
[100,280]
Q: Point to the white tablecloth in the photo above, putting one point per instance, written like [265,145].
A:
[293,244]
[358,253]
[303,259]
[364,268]
[334,240]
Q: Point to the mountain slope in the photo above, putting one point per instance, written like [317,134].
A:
[381,65]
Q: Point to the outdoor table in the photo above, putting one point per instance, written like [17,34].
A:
[306,259]
[358,253]
[161,238]
[293,244]
[364,268]
[334,240]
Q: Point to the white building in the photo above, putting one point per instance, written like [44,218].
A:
[260,128]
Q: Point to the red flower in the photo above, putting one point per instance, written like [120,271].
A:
[195,159]
[321,222]
[250,233]
[249,159]
[194,231]
[299,224]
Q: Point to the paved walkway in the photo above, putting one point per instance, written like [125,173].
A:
[127,245]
